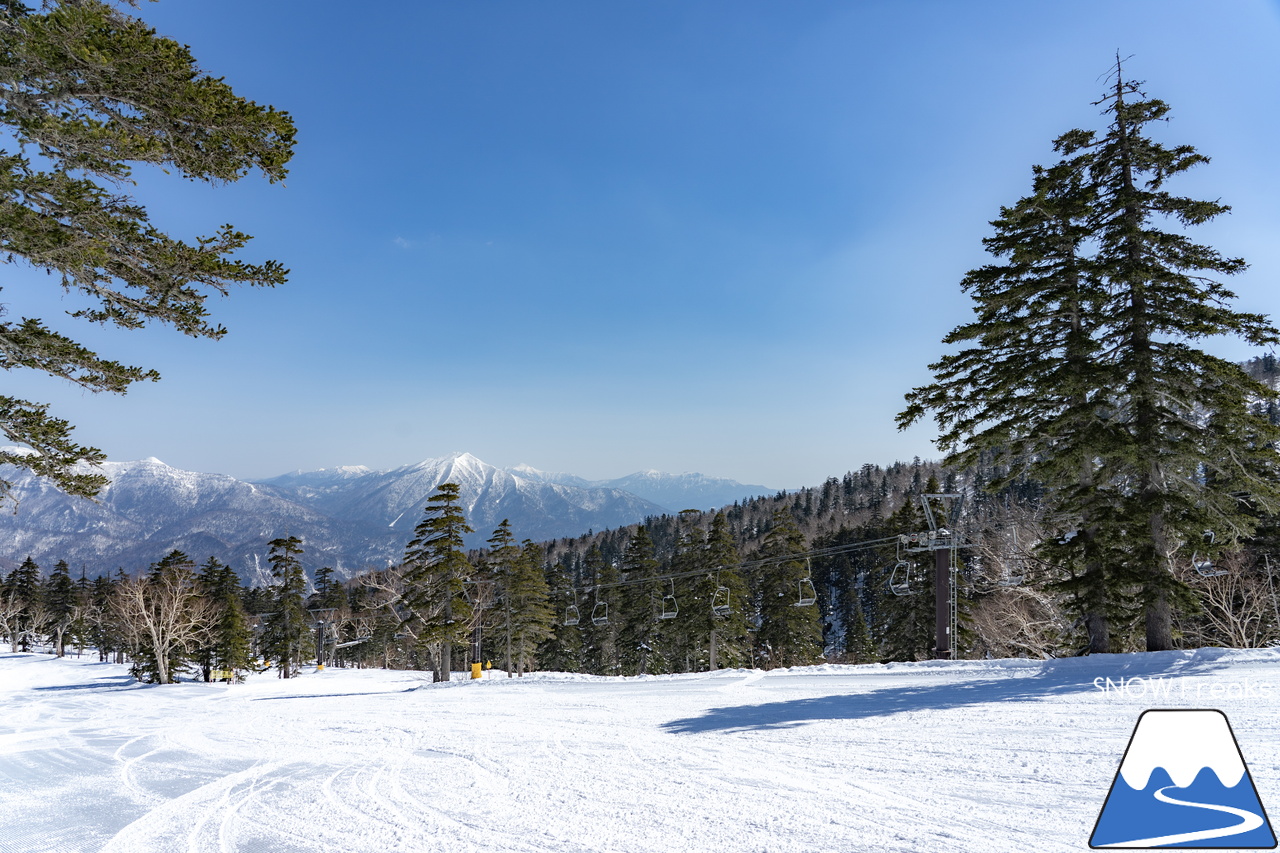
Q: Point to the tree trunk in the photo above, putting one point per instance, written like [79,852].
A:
[1099,634]
[1159,624]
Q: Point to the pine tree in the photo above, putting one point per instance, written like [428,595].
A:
[531,615]
[435,567]
[721,602]
[23,591]
[504,555]
[329,592]
[599,618]
[638,598]
[858,645]
[906,628]
[562,650]
[1086,379]
[790,634]
[62,604]
[103,631]
[91,91]
[230,641]
[1183,444]
[286,629]
[1035,318]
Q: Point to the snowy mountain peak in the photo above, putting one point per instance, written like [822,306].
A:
[1183,743]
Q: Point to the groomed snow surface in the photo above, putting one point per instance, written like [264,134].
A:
[939,756]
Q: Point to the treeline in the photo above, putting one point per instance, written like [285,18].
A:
[819,574]
[175,618]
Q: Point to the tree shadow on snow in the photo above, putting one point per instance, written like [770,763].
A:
[106,682]
[1051,678]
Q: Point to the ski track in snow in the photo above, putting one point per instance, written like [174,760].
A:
[964,756]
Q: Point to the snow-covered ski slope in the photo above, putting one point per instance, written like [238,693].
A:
[940,756]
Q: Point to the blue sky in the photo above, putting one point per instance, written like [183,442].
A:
[601,237]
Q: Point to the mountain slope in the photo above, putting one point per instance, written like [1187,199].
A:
[349,518]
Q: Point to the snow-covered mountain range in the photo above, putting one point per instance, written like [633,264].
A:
[349,518]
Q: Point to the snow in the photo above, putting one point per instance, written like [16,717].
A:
[964,756]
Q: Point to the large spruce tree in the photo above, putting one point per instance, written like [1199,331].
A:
[228,645]
[790,633]
[287,628]
[62,606]
[638,599]
[436,611]
[24,591]
[532,617]
[91,91]
[1086,375]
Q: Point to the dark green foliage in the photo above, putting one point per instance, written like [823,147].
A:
[102,630]
[229,645]
[788,634]
[562,650]
[22,604]
[531,614]
[1087,376]
[329,592]
[61,604]
[638,600]
[286,631]
[93,91]
[600,644]
[905,623]
[499,569]
[436,610]
[718,583]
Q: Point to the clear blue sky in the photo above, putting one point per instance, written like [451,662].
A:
[599,237]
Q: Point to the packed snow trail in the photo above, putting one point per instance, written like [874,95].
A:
[957,756]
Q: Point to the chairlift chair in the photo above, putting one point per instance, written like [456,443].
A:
[807,594]
[900,578]
[1204,565]
[571,615]
[1016,575]
[720,605]
[600,613]
[669,607]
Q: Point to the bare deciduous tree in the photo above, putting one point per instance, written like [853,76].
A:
[1019,621]
[163,619]
[1238,609]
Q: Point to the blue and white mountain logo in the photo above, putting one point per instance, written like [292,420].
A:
[1183,783]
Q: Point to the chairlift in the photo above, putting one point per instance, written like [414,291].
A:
[900,578]
[600,613]
[807,594]
[669,607]
[571,615]
[720,604]
[1015,577]
[1204,564]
